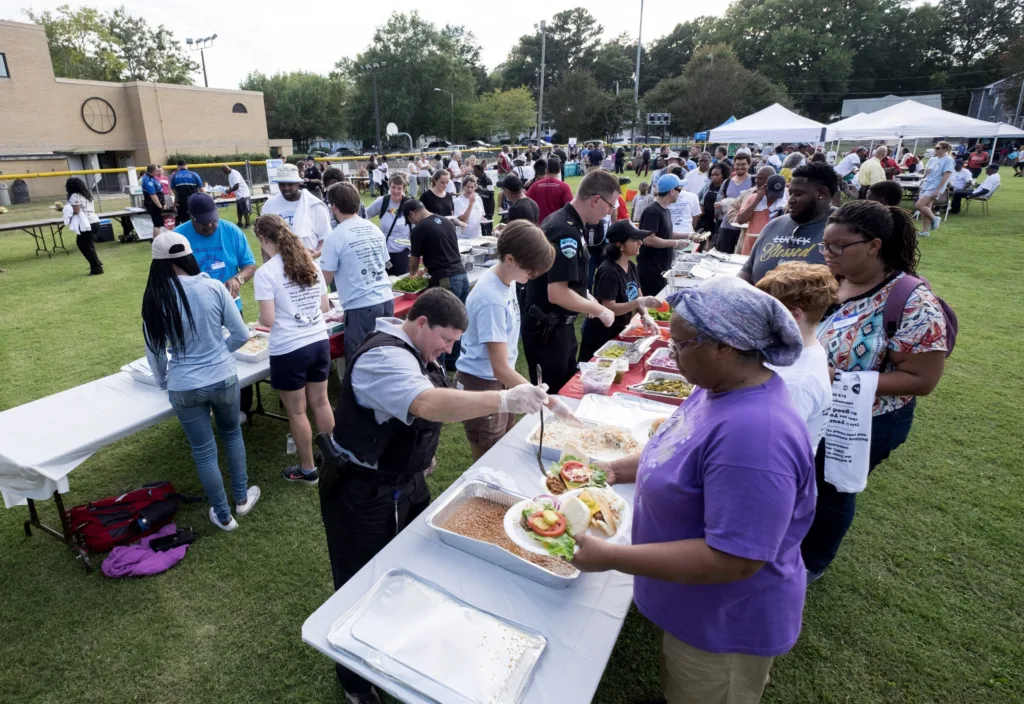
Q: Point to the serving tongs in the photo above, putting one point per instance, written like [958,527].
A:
[540,442]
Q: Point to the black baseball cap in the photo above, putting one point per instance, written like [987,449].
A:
[512,183]
[411,206]
[623,230]
[201,208]
[776,185]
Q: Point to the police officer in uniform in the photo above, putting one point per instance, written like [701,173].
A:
[394,399]
[553,302]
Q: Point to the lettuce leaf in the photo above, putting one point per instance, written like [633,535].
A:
[598,477]
[563,546]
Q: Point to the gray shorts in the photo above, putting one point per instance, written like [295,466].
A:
[360,322]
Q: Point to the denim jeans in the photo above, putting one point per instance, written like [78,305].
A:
[459,285]
[193,410]
[834,512]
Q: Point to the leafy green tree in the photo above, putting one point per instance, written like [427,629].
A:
[578,107]
[301,105]
[666,56]
[615,63]
[712,86]
[573,39]
[419,57]
[505,113]
[87,44]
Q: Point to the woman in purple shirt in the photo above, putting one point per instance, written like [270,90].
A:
[724,496]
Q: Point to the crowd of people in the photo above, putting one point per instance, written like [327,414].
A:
[722,565]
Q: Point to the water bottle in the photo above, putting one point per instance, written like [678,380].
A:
[142,524]
[290,445]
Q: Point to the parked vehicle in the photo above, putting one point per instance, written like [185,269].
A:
[439,144]
[477,144]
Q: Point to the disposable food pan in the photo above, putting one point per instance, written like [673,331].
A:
[487,551]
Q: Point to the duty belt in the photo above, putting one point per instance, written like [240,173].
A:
[551,319]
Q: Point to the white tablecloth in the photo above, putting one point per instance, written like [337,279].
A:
[42,441]
[581,622]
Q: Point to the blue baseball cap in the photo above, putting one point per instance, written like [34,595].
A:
[201,208]
[668,182]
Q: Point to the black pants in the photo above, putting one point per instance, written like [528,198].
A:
[651,281]
[835,509]
[596,334]
[958,197]
[359,520]
[975,172]
[727,239]
[245,399]
[644,166]
[619,166]
[181,213]
[87,246]
[399,262]
[555,352]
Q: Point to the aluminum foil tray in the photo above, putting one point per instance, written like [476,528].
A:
[487,551]
[428,640]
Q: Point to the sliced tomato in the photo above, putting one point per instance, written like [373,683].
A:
[575,472]
[552,531]
[663,308]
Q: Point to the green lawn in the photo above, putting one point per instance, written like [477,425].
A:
[924,603]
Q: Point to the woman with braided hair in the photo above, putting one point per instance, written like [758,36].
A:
[293,298]
[870,248]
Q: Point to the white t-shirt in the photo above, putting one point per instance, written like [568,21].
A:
[472,228]
[959,179]
[243,188]
[298,320]
[847,165]
[830,157]
[86,208]
[318,223]
[493,310]
[686,207]
[355,251]
[810,389]
[990,183]
[696,179]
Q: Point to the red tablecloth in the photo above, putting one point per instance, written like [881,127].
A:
[337,340]
[636,374]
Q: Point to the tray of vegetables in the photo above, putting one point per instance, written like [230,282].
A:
[410,287]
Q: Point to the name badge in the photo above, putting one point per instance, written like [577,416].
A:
[217,265]
[845,322]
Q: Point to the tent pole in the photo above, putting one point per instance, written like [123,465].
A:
[992,154]
[915,147]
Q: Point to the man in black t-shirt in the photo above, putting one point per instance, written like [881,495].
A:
[554,301]
[433,242]
[520,205]
[313,178]
[659,247]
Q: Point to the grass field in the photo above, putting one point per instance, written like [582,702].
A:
[924,603]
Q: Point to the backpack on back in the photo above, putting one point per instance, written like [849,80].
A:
[118,520]
[892,315]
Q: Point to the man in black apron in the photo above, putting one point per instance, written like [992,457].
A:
[394,399]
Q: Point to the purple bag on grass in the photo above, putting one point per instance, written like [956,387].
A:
[139,560]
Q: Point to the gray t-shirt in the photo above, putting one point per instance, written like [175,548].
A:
[783,240]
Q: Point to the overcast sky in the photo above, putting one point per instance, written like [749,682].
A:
[311,36]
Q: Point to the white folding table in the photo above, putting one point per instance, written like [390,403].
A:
[581,623]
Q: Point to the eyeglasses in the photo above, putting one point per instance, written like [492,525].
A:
[607,202]
[836,250]
[675,347]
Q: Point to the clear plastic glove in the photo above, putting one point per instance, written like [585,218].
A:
[650,327]
[648,302]
[606,317]
[522,399]
[560,409]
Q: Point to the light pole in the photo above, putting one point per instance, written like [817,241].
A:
[540,102]
[636,80]
[199,45]
[451,95]
[372,70]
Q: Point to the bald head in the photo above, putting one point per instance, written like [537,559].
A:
[881,152]
[762,175]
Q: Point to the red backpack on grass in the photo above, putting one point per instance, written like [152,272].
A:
[118,520]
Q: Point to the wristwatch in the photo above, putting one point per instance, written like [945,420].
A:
[241,281]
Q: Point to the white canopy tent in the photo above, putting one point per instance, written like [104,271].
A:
[773,124]
[911,119]
[1008,131]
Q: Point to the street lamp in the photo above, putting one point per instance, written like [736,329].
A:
[636,83]
[452,96]
[199,45]
[372,69]
[543,45]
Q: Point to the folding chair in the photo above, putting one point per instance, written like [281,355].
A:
[984,203]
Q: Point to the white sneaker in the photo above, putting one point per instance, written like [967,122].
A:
[242,418]
[254,496]
[936,222]
[229,526]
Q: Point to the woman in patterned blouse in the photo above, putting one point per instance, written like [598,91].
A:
[869,247]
